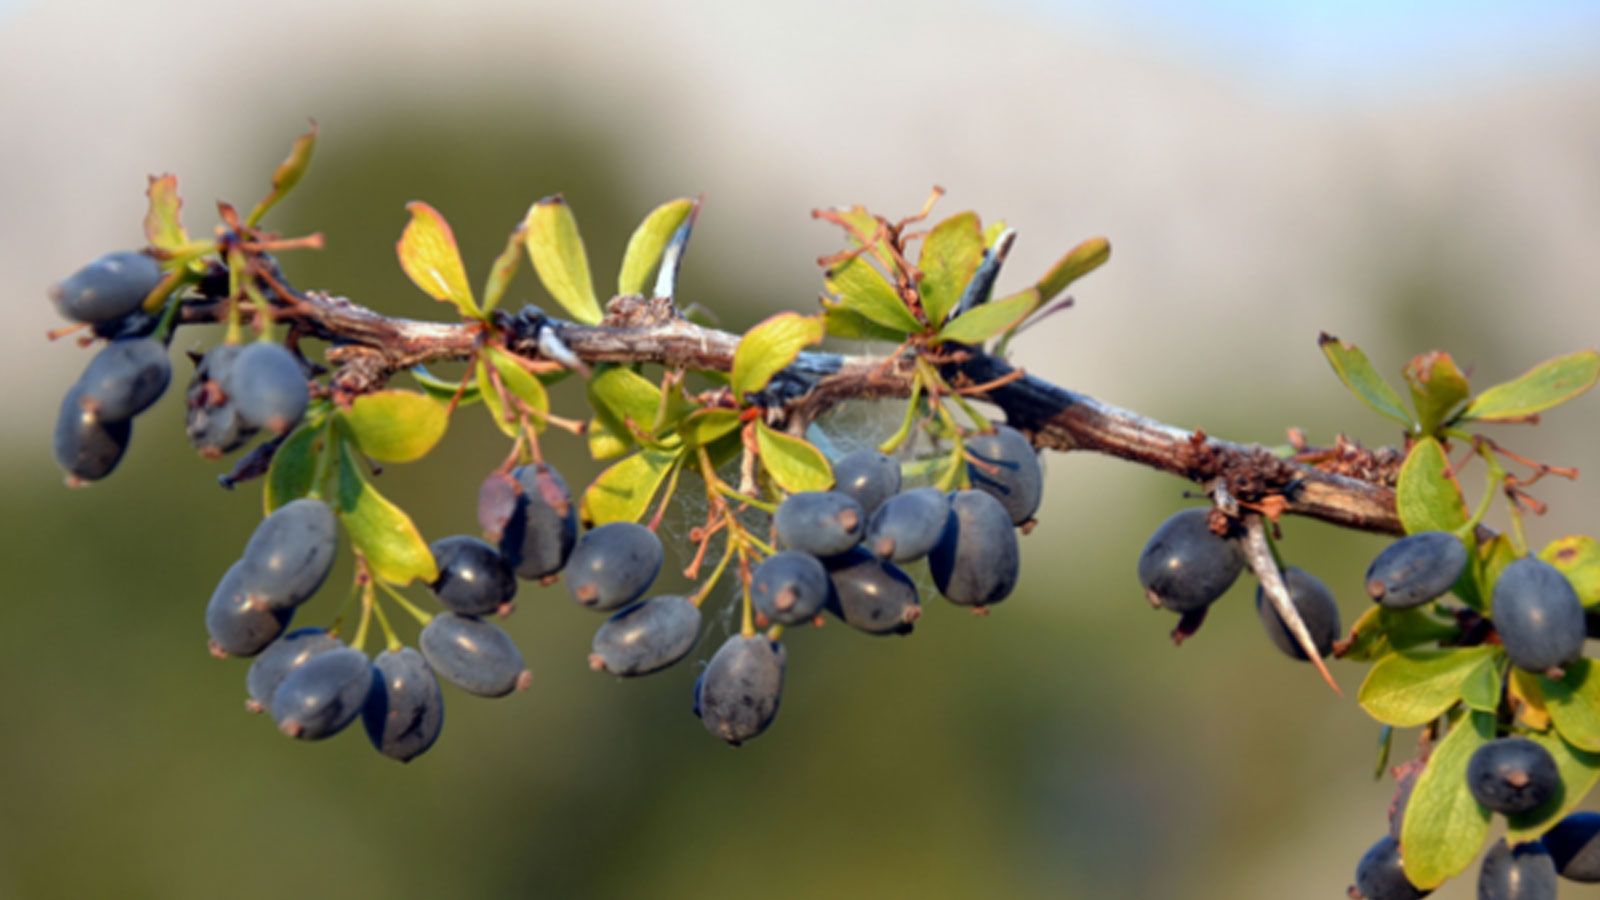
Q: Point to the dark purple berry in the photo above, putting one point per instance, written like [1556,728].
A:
[109,288]
[613,565]
[789,587]
[1317,609]
[868,477]
[737,695]
[1574,846]
[1512,775]
[87,448]
[1006,466]
[322,695]
[291,552]
[646,637]
[125,378]
[1523,872]
[1185,566]
[543,527]
[908,526]
[977,561]
[474,655]
[474,579]
[267,671]
[1416,569]
[1380,875]
[268,387]
[404,712]
[1538,615]
[240,621]
[821,523]
[871,595]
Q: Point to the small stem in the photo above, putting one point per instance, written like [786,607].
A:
[747,627]
[422,618]
[368,601]
[330,447]
[727,490]
[392,643]
[711,580]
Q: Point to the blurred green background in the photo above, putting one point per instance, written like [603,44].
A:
[1432,188]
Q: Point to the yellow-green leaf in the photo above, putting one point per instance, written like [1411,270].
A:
[993,231]
[1425,496]
[519,383]
[1437,385]
[950,255]
[867,225]
[1579,770]
[1444,827]
[862,289]
[381,531]
[794,464]
[556,248]
[852,326]
[1412,687]
[1578,558]
[1480,690]
[1079,261]
[396,426]
[647,243]
[288,173]
[769,346]
[1548,384]
[1381,630]
[603,442]
[163,225]
[1574,704]
[627,401]
[980,323]
[1357,373]
[708,425]
[443,390]
[491,400]
[623,492]
[504,269]
[293,467]
[430,258]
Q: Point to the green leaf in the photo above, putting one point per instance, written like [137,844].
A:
[1425,496]
[396,426]
[993,231]
[1444,827]
[1079,261]
[288,173]
[868,225]
[491,400]
[520,383]
[950,256]
[620,396]
[648,242]
[381,531]
[1551,383]
[504,268]
[1481,689]
[1357,373]
[1413,687]
[1382,630]
[293,467]
[1578,558]
[769,346]
[1437,388]
[863,290]
[1492,557]
[430,258]
[1574,705]
[852,326]
[708,425]
[980,323]
[1579,770]
[623,492]
[556,248]
[795,465]
[442,390]
[163,225]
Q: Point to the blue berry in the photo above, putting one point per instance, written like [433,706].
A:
[1512,775]
[646,637]
[1574,846]
[404,711]
[908,526]
[474,655]
[125,378]
[976,562]
[1317,608]
[543,527]
[1523,872]
[789,587]
[737,695]
[267,387]
[1416,569]
[1381,876]
[86,447]
[821,523]
[474,579]
[1538,615]
[613,565]
[289,652]
[868,477]
[1185,566]
[291,552]
[109,288]
[872,595]
[322,695]
[240,621]
[1007,467]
